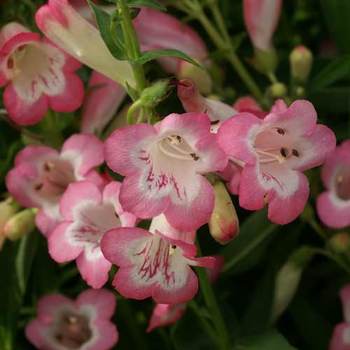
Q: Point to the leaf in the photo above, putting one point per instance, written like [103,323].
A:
[110,31]
[336,70]
[154,54]
[337,13]
[271,340]
[146,3]
[254,233]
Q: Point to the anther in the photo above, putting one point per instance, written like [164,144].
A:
[295,153]
[281,131]
[194,156]
[38,187]
[284,152]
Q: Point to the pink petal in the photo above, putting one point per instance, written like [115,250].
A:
[35,333]
[101,103]
[20,111]
[76,194]
[72,96]
[49,304]
[85,151]
[45,223]
[103,301]
[340,337]
[35,154]
[345,299]
[108,336]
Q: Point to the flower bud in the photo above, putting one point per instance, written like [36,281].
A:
[198,75]
[300,59]
[287,280]
[223,223]
[278,90]
[8,208]
[20,224]
[152,95]
[265,61]
[340,243]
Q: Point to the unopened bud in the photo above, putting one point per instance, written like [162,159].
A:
[265,61]
[287,280]
[300,60]
[223,223]
[154,94]
[20,224]
[278,90]
[198,75]
[340,242]
[8,208]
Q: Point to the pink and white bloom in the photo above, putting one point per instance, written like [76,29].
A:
[42,174]
[101,103]
[274,152]
[69,30]
[159,30]
[341,334]
[87,214]
[163,166]
[193,101]
[82,324]
[261,18]
[165,315]
[151,264]
[333,206]
[36,76]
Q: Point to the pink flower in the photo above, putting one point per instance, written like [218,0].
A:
[87,214]
[41,175]
[37,76]
[333,206]
[81,324]
[341,334]
[274,152]
[165,315]
[69,30]
[249,104]
[193,101]
[101,103]
[151,264]
[158,30]
[261,18]
[163,166]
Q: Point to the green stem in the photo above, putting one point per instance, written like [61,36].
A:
[223,338]
[132,45]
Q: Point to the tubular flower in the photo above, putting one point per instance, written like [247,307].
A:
[41,175]
[151,264]
[333,206]
[83,324]
[163,166]
[261,18]
[274,152]
[165,315]
[158,30]
[193,101]
[62,24]
[101,103]
[87,214]
[249,104]
[341,334]
[37,76]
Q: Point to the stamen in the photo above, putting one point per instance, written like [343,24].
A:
[284,152]
[10,63]
[280,131]
[179,153]
[295,153]
[38,187]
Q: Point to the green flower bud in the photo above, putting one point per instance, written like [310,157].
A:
[300,60]
[265,61]
[20,224]
[278,90]
[340,243]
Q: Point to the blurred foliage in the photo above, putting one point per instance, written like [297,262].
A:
[245,289]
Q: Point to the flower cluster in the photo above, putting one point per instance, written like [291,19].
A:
[175,175]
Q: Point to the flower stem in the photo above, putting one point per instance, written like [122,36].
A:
[223,338]
[132,45]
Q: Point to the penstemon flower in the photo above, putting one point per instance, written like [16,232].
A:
[87,214]
[274,152]
[193,101]
[151,264]
[101,103]
[249,104]
[69,30]
[333,206]
[37,76]
[341,334]
[41,175]
[165,315]
[163,167]
[85,323]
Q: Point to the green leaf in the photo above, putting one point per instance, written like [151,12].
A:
[110,30]
[146,3]
[271,340]
[336,70]
[337,14]
[154,54]
[254,233]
